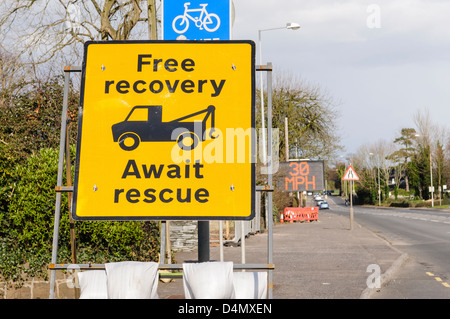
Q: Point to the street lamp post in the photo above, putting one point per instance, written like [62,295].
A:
[431,180]
[291,26]
[379,186]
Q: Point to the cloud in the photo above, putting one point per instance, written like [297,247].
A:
[388,71]
[410,31]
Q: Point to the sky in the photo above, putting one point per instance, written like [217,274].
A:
[380,61]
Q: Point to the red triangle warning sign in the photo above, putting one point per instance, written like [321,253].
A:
[350,175]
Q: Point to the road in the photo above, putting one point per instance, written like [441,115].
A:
[423,234]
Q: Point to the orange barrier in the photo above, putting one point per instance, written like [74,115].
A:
[299,214]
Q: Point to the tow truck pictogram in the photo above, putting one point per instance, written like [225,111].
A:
[130,133]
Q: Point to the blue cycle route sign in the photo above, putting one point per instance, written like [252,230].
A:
[196,19]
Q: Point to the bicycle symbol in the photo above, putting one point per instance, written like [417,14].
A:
[209,21]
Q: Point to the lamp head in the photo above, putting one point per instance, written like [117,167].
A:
[292,26]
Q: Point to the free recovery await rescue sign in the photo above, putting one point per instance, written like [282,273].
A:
[166,131]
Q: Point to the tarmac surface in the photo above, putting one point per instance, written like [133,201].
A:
[322,259]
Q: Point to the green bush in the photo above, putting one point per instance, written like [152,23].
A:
[364,197]
[7,180]
[27,226]
[29,136]
[31,119]
[399,203]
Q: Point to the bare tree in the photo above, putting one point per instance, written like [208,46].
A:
[382,150]
[434,137]
[364,163]
[424,126]
[311,113]
[12,71]
[39,31]
[374,165]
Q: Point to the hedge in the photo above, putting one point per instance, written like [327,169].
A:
[27,195]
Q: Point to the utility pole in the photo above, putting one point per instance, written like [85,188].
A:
[286,138]
[151,12]
[431,179]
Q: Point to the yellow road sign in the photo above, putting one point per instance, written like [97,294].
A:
[166,131]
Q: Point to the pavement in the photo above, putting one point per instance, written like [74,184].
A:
[322,259]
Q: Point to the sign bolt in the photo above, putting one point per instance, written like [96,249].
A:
[232,187]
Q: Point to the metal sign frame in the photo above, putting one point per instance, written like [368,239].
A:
[60,188]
